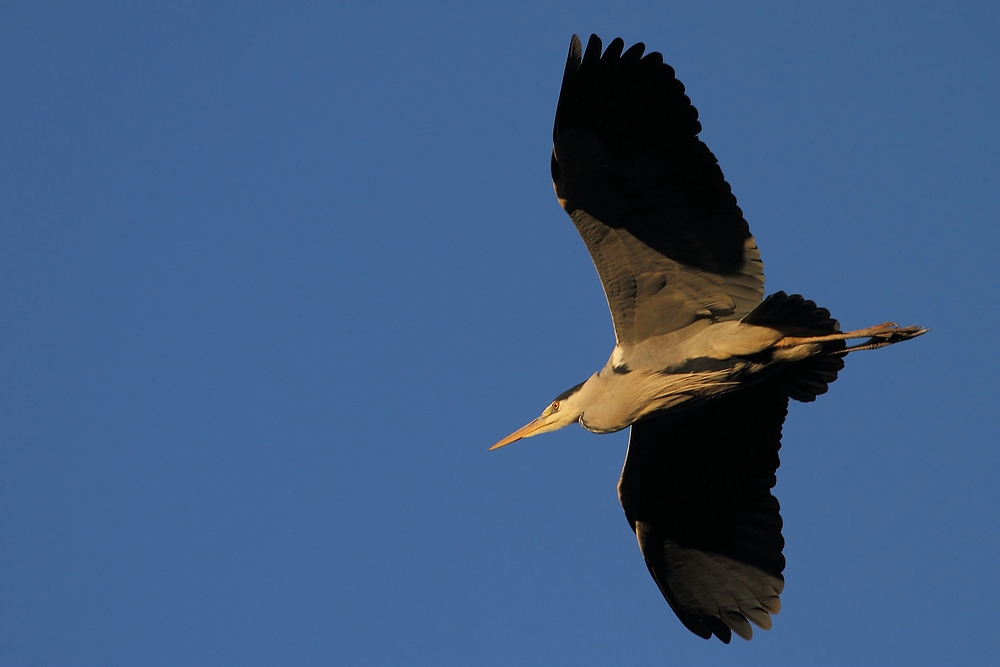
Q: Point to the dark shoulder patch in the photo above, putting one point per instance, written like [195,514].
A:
[702,365]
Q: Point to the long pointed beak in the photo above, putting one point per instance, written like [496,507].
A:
[525,431]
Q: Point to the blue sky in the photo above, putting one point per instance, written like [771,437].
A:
[274,277]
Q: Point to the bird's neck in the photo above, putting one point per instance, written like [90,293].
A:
[605,407]
[612,401]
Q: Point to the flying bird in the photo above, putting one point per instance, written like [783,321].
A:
[703,366]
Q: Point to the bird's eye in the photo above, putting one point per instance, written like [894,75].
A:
[555,405]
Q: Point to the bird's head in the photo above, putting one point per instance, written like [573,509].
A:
[563,411]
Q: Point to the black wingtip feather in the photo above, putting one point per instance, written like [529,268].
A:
[593,51]
[634,52]
[655,58]
[614,50]
[575,56]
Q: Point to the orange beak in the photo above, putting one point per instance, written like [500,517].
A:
[525,431]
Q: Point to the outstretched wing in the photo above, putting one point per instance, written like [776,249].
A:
[696,489]
[647,196]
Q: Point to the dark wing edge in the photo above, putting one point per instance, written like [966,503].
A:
[696,489]
[648,197]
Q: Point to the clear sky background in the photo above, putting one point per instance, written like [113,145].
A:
[274,276]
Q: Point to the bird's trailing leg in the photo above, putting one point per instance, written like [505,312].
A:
[878,336]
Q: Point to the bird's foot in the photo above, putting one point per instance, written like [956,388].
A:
[886,334]
[878,336]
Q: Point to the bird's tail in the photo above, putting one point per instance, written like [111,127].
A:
[813,347]
[793,315]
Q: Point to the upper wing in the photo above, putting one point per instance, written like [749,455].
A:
[696,489]
[669,242]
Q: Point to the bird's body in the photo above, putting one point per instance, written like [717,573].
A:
[703,366]
[637,382]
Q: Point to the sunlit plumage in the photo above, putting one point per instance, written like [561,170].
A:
[703,366]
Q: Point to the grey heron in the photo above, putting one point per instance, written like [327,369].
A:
[703,366]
